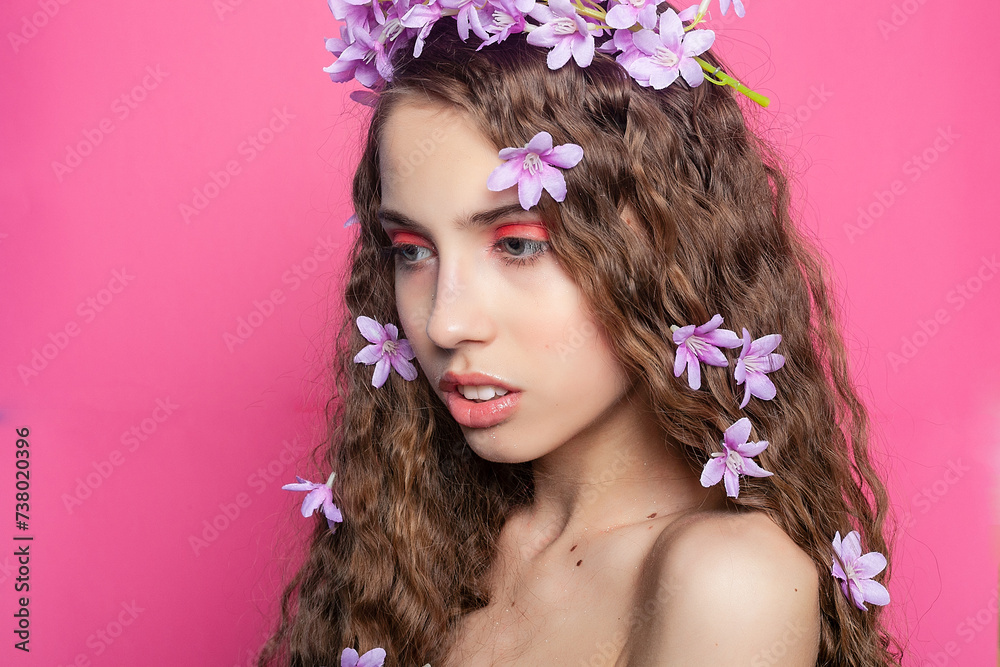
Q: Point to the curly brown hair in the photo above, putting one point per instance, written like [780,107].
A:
[710,233]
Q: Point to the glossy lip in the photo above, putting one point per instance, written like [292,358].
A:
[472,414]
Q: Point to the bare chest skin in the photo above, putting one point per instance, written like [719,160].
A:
[568,602]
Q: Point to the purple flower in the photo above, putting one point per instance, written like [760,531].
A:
[319,496]
[701,343]
[756,360]
[423,17]
[352,13]
[735,459]
[501,19]
[669,53]
[856,571]
[626,13]
[386,349]
[738,4]
[373,658]
[533,168]
[565,32]
[624,46]
[354,60]
[467,17]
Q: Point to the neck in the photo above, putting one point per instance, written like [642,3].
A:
[619,472]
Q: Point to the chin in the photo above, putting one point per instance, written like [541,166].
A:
[489,445]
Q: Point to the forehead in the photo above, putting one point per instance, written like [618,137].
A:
[433,156]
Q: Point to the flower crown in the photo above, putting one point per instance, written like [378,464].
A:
[655,47]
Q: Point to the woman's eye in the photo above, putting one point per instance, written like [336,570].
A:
[411,252]
[519,247]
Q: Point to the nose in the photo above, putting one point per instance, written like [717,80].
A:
[460,312]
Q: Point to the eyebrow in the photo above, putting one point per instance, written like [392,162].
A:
[478,219]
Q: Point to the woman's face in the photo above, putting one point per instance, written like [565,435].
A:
[500,330]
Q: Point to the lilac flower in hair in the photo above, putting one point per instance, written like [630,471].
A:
[467,17]
[354,60]
[318,497]
[756,359]
[565,32]
[352,13]
[735,459]
[373,658]
[701,343]
[533,168]
[856,571]
[624,45]
[669,53]
[423,17]
[386,350]
[626,13]
[502,18]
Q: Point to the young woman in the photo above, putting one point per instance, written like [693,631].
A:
[630,437]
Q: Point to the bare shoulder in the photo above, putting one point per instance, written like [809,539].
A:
[726,588]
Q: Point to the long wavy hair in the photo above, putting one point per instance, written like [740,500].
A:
[709,232]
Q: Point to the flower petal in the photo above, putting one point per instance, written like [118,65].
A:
[746,396]
[732,484]
[369,355]
[349,658]
[505,176]
[583,51]
[694,371]
[869,565]
[622,16]
[560,54]
[774,362]
[874,592]
[697,42]
[761,386]
[857,595]
[332,512]
[850,549]
[722,338]
[683,333]
[837,549]
[713,356]
[403,367]
[314,500]
[539,143]
[373,658]
[381,373]
[750,449]
[738,433]
[765,344]
[529,189]
[751,469]
[680,360]
[671,28]
[565,156]
[713,471]
[646,41]
[692,72]
[553,182]
[404,349]
[371,329]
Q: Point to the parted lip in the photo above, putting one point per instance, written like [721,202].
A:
[450,381]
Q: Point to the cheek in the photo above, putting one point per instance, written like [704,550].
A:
[413,303]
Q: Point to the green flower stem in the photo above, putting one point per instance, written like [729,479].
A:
[725,79]
[598,14]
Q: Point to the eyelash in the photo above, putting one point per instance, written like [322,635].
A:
[395,252]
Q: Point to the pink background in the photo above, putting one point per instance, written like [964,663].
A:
[883,107]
